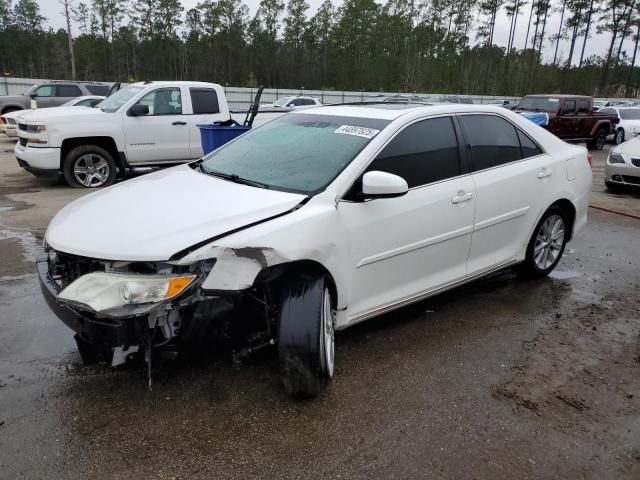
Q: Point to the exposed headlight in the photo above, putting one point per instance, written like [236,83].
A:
[616,158]
[36,128]
[114,292]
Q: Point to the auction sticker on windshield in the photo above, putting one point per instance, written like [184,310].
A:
[357,131]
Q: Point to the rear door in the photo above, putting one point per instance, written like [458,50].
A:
[205,108]
[163,134]
[513,178]
[64,93]
[403,247]
[567,121]
[584,117]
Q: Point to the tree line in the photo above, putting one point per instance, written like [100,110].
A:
[434,46]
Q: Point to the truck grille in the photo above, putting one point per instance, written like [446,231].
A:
[23,142]
[636,162]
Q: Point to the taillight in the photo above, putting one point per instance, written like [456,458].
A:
[2,120]
[590,160]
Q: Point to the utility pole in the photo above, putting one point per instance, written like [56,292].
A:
[66,6]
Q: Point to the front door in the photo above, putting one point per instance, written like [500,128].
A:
[163,134]
[406,246]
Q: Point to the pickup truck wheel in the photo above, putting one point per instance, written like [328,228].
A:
[306,335]
[597,142]
[619,136]
[89,166]
[547,243]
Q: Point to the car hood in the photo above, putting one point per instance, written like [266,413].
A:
[150,218]
[631,147]
[53,113]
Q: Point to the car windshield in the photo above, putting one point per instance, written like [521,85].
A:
[296,152]
[114,102]
[629,113]
[543,104]
[281,102]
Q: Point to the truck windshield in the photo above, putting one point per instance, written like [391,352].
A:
[114,102]
[296,152]
[629,113]
[543,104]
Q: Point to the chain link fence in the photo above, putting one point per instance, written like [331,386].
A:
[241,98]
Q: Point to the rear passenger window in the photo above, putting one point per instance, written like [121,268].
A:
[101,90]
[493,141]
[422,153]
[68,91]
[529,148]
[204,100]
[569,107]
[583,106]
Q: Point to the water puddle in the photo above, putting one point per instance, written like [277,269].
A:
[30,244]
[566,275]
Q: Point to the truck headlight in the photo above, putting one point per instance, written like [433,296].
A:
[616,158]
[36,128]
[115,292]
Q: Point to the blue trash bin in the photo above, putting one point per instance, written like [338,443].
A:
[214,136]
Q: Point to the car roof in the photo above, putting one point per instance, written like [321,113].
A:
[175,82]
[391,111]
[558,95]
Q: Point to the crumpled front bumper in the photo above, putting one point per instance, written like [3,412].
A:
[100,332]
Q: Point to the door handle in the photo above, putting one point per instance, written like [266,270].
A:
[462,197]
[179,123]
[544,173]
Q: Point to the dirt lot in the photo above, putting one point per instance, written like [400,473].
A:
[503,378]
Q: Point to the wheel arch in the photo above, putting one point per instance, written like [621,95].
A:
[568,206]
[106,142]
[11,108]
[275,274]
[602,125]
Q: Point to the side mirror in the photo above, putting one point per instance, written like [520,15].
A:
[383,185]
[138,110]
[33,94]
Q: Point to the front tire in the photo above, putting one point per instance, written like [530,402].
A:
[618,138]
[547,243]
[306,345]
[89,166]
[597,142]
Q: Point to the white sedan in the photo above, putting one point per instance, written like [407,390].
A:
[292,102]
[629,124]
[315,221]
[9,121]
[623,165]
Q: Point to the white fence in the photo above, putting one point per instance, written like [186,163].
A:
[241,98]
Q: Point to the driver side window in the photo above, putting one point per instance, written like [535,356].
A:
[164,101]
[45,91]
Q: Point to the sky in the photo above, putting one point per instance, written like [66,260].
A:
[598,44]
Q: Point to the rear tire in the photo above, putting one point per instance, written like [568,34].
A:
[618,138]
[89,166]
[547,243]
[597,142]
[306,335]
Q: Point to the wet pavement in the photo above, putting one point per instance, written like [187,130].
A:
[503,378]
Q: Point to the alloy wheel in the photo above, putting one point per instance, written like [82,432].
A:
[327,338]
[549,242]
[91,170]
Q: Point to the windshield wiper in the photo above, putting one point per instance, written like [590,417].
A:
[232,177]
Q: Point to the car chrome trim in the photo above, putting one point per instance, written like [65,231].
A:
[425,294]
[505,217]
[394,252]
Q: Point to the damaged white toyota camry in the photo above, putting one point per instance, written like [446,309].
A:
[311,223]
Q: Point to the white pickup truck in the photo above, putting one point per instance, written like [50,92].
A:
[144,124]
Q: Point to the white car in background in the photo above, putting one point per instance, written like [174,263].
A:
[623,165]
[9,121]
[292,102]
[629,124]
[316,221]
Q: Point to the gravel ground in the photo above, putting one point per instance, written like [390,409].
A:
[503,378]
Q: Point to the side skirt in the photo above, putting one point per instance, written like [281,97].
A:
[421,296]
